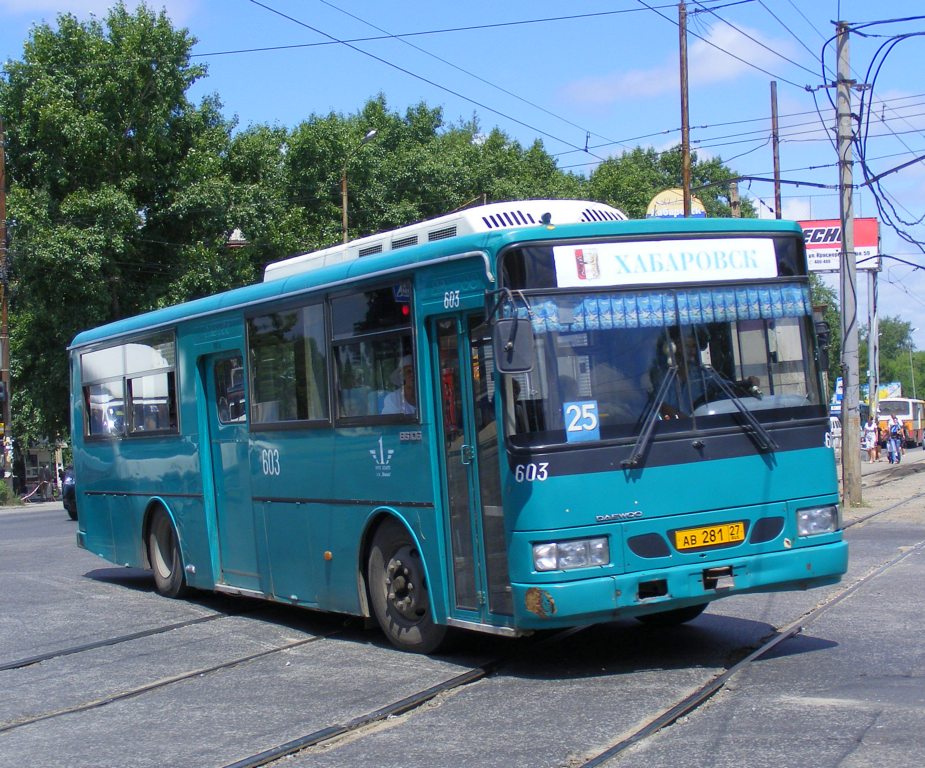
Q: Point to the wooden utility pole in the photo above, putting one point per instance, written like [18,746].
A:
[685,122]
[775,144]
[850,416]
[734,203]
[6,438]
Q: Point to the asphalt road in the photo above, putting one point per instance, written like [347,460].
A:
[847,690]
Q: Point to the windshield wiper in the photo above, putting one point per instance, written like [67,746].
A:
[648,427]
[762,437]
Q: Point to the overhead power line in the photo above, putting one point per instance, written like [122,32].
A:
[418,77]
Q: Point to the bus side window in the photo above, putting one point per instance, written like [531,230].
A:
[229,390]
[374,373]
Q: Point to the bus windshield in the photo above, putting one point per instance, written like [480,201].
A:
[602,359]
[896,408]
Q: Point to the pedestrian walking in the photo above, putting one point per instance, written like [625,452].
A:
[894,439]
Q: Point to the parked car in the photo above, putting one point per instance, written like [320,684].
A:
[69,493]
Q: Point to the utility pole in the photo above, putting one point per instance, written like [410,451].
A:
[6,437]
[873,344]
[685,122]
[775,144]
[850,418]
[734,203]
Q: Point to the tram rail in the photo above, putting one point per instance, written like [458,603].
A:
[326,736]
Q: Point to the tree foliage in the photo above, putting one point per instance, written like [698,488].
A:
[631,181]
[898,359]
[116,178]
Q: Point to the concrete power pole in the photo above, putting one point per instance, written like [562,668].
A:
[775,144]
[7,433]
[685,122]
[850,417]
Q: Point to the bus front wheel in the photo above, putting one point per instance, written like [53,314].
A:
[164,556]
[398,591]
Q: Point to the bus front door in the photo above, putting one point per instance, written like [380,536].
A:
[226,411]
[472,483]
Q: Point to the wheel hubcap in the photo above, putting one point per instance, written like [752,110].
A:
[403,583]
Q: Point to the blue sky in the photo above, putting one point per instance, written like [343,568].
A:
[599,73]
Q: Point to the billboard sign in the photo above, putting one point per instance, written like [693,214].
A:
[669,204]
[824,244]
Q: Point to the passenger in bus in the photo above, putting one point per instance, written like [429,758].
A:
[404,398]
[696,382]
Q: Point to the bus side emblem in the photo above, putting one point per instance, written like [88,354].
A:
[382,459]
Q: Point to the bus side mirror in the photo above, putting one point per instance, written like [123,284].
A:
[514,346]
[824,335]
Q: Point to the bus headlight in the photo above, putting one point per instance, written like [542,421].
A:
[812,521]
[566,555]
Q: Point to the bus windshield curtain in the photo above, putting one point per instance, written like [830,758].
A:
[653,309]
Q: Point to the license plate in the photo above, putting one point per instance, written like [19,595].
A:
[709,536]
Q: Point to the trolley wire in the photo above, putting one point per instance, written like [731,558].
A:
[416,76]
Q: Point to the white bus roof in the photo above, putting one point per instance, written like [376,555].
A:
[484,218]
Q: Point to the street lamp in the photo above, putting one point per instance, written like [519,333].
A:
[343,178]
[911,369]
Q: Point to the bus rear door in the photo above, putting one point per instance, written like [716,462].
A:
[226,413]
[478,568]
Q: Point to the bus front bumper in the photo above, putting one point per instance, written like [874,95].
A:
[589,601]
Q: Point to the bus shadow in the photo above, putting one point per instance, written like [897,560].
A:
[291,617]
[624,646]
[627,647]
[131,578]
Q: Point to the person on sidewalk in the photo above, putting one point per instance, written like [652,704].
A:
[870,440]
[45,478]
[894,438]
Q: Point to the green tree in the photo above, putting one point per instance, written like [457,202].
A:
[826,299]
[118,194]
[631,180]
[898,359]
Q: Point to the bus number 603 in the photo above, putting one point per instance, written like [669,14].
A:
[269,460]
[531,472]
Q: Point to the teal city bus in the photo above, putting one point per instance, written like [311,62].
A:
[523,416]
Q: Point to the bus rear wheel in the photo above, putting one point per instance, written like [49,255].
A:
[164,556]
[398,591]
[673,617]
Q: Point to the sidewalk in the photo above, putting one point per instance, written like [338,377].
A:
[884,484]
[34,506]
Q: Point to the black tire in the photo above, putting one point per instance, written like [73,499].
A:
[164,556]
[398,591]
[673,617]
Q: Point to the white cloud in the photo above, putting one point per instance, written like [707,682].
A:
[707,65]
[796,208]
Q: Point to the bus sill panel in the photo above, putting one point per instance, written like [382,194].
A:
[551,605]
[488,629]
